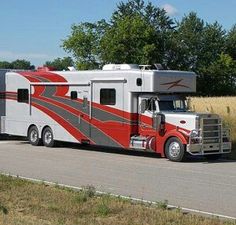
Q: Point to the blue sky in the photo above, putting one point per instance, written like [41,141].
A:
[34,30]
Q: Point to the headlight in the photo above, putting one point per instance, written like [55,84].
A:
[195,137]
[194,134]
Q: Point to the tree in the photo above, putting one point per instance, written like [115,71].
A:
[219,78]
[213,44]
[20,64]
[231,42]
[186,42]
[5,65]
[130,40]
[136,33]
[83,43]
[60,63]
[195,44]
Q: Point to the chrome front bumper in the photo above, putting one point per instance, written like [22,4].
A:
[209,149]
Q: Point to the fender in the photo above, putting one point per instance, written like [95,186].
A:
[173,133]
[178,134]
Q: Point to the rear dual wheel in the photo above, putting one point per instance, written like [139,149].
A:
[33,136]
[48,139]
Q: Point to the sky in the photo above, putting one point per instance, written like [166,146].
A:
[34,30]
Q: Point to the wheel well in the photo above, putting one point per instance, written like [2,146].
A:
[32,125]
[44,129]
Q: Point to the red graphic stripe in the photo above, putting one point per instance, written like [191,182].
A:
[70,128]
[119,135]
[52,77]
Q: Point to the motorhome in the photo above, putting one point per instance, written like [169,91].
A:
[121,105]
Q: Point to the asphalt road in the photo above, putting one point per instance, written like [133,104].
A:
[198,184]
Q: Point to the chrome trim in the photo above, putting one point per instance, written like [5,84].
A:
[210,139]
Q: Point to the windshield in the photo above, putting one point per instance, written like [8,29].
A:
[172,105]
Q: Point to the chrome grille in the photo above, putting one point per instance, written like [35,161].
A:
[211,130]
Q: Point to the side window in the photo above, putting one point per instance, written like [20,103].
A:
[108,96]
[73,95]
[23,95]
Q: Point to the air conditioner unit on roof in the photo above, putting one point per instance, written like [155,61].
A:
[120,67]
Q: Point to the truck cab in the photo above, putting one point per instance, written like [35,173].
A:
[168,127]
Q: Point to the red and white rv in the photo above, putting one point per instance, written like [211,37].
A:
[119,106]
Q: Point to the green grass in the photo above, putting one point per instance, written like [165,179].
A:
[23,202]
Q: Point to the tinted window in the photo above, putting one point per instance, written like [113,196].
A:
[23,95]
[175,105]
[108,96]
[73,95]
[139,82]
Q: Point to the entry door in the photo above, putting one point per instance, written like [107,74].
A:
[108,101]
[84,118]
[108,114]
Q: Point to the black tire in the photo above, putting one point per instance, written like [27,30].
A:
[48,139]
[213,157]
[175,150]
[33,136]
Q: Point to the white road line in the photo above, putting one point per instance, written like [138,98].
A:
[126,197]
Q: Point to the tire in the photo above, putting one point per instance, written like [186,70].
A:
[48,139]
[33,136]
[213,157]
[175,150]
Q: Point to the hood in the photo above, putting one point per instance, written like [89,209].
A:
[184,120]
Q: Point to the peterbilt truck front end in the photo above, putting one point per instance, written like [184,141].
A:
[209,137]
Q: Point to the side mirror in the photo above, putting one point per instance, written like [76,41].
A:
[143,105]
[158,122]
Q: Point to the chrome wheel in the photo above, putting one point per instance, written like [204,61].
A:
[48,139]
[33,136]
[174,149]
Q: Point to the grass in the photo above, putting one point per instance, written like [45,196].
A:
[225,107]
[23,202]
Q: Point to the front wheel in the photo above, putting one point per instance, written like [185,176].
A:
[48,139]
[174,150]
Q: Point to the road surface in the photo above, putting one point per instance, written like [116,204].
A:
[195,184]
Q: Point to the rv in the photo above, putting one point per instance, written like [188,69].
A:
[122,105]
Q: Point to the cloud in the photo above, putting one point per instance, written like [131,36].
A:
[170,10]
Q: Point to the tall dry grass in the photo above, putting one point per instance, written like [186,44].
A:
[224,106]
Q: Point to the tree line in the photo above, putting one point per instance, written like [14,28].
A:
[143,33]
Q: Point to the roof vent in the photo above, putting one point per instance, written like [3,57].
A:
[46,68]
[156,66]
[120,67]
